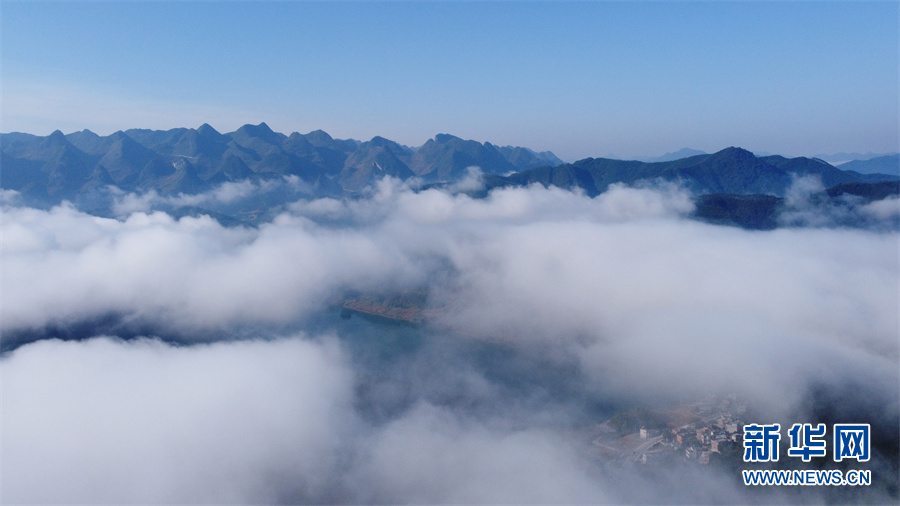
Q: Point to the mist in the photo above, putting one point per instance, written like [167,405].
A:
[148,358]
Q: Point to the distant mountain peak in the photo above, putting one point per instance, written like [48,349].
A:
[734,153]
[319,134]
[261,128]
[56,139]
[260,131]
[206,130]
[381,141]
[736,150]
[442,138]
[264,127]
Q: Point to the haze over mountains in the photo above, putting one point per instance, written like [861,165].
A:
[842,157]
[887,164]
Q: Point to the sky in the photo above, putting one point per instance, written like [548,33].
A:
[580,79]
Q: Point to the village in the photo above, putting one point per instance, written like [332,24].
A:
[709,429]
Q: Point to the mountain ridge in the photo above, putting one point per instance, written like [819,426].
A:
[61,166]
[732,170]
[183,160]
[887,164]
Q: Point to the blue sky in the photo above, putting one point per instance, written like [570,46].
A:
[580,79]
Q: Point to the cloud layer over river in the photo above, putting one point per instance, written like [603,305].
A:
[204,364]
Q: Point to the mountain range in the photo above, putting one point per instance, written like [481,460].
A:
[186,160]
[731,170]
[839,158]
[887,164]
[731,186]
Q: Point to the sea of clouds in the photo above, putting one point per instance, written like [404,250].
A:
[161,360]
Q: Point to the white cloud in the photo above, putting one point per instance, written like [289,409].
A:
[186,273]
[607,299]
[226,193]
[104,421]
[430,456]
[885,209]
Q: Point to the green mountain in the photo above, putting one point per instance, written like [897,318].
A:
[79,166]
[186,160]
[766,212]
[732,170]
[446,158]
